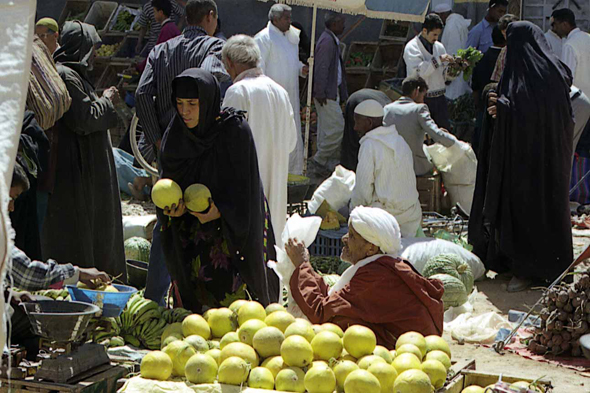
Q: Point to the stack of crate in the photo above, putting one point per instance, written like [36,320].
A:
[384,57]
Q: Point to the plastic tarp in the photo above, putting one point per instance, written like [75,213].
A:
[17,19]
[400,10]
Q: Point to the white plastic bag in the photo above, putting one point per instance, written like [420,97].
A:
[336,190]
[458,167]
[303,229]
[481,329]
[139,226]
[420,249]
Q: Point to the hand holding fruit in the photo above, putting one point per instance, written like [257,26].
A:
[297,252]
[447,58]
[211,215]
[175,210]
[112,94]
[93,277]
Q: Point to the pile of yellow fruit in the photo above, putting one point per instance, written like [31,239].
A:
[247,344]
[108,50]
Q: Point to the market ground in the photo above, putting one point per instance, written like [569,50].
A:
[492,296]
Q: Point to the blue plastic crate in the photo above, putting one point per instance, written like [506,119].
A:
[328,243]
[111,303]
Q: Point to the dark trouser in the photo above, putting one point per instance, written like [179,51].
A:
[439,111]
[22,334]
[158,279]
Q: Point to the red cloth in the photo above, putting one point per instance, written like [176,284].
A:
[169,30]
[388,295]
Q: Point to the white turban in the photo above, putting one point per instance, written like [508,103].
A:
[442,7]
[378,227]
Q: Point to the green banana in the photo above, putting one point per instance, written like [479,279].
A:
[132,340]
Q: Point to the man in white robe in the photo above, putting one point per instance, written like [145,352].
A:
[279,47]
[554,40]
[271,119]
[385,176]
[454,37]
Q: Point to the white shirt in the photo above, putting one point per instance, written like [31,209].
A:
[280,62]
[426,65]
[555,42]
[454,38]
[270,117]
[576,54]
[385,178]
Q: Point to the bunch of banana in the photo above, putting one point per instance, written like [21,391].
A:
[55,294]
[175,314]
[150,333]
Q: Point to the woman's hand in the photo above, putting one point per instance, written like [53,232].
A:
[175,211]
[492,104]
[297,252]
[211,215]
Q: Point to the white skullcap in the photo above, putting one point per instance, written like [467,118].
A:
[369,108]
[442,7]
[378,227]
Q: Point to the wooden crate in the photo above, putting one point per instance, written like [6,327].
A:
[109,39]
[430,192]
[394,31]
[356,80]
[366,48]
[135,10]
[102,379]
[392,88]
[387,57]
[74,9]
[472,377]
[100,14]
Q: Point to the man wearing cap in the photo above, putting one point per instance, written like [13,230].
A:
[380,290]
[480,37]
[48,31]
[385,174]
[454,37]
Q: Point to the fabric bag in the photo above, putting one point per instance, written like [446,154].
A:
[47,96]
[336,190]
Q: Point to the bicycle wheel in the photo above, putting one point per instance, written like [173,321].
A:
[135,134]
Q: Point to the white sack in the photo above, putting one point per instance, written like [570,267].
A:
[458,167]
[336,190]
[139,226]
[419,250]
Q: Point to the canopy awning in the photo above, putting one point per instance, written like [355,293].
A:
[400,10]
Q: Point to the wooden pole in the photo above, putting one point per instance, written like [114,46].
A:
[309,89]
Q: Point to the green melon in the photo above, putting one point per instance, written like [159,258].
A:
[453,265]
[137,248]
[455,294]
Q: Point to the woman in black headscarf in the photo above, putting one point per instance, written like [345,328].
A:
[84,221]
[520,219]
[212,255]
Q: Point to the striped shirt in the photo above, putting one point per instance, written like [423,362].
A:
[148,20]
[193,49]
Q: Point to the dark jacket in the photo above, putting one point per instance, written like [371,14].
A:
[325,78]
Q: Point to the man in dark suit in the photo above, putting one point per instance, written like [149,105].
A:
[329,90]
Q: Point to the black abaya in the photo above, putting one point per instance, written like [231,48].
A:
[219,153]
[520,219]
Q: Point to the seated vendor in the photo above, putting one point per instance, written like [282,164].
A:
[385,175]
[380,290]
[28,275]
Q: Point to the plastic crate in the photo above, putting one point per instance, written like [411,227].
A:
[387,57]
[366,48]
[328,243]
[100,14]
[394,31]
[134,9]
[74,10]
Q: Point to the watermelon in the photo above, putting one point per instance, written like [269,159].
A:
[137,248]
[451,264]
[455,294]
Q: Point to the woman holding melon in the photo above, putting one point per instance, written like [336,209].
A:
[218,254]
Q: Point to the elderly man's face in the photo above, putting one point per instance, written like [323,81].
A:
[356,248]
[48,37]
[364,124]
[284,22]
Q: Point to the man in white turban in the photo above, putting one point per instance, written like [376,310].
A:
[380,290]
[385,174]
